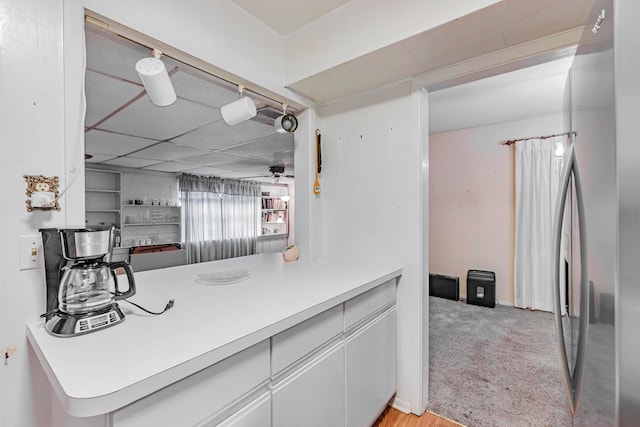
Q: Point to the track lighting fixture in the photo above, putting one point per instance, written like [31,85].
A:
[239,110]
[156,80]
[286,123]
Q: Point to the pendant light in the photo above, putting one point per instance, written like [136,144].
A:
[156,80]
[239,110]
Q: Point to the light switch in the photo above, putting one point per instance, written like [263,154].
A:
[31,252]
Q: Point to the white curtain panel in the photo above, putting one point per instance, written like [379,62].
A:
[220,217]
[538,170]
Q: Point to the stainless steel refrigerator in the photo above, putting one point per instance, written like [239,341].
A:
[597,230]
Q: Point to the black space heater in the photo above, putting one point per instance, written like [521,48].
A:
[481,288]
[444,286]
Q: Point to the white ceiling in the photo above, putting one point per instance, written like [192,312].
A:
[506,25]
[286,16]
[124,129]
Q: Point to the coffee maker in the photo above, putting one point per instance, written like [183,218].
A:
[79,278]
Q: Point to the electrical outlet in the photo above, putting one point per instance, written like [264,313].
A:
[31,252]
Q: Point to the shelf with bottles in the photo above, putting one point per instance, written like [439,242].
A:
[151,215]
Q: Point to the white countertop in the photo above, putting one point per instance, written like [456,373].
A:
[102,371]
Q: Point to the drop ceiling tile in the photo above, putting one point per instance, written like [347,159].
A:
[102,142]
[105,95]
[392,63]
[526,20]
[428,50]
[220,135]
[453,41]
[343,80]
[145,120]
[201,87]
[224,173]
[247,165]
[277,143]
[167,151]
[211,159]
[113,55]
[482,30]
[99,158]
[130,162]
[171,167]
[285,159]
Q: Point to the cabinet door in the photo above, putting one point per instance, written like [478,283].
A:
[371,369]
[255,414]
[312,396]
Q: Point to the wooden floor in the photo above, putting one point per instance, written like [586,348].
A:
[394,418]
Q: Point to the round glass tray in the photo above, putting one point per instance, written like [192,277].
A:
[222,277]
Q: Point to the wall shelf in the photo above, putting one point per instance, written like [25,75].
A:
[103,197]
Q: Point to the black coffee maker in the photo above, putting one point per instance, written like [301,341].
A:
[80,279]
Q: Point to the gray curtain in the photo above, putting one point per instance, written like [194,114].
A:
[220,216]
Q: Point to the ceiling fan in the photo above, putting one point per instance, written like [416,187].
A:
[277,172]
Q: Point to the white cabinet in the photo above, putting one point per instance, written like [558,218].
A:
[370,345]
[371,369]
[255,414]
[336,369]
[294,344]
[210,394]
[313,395]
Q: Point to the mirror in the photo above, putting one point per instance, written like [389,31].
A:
[125,132]
[124,129]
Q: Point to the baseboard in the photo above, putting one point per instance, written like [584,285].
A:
[506,304]
[401,405]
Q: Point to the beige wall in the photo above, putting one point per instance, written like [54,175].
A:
[471,200]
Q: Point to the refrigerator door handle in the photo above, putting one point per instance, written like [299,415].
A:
[573,380]
[584,287]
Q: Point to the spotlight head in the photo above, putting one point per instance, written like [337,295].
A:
[286,123]
[238,111]
[156,81]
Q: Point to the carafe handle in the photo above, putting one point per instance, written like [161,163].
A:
[132,283]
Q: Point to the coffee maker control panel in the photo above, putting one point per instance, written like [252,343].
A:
[95,322]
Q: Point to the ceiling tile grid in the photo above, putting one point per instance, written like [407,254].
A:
[124,129]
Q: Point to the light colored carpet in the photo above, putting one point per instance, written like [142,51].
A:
[494,367]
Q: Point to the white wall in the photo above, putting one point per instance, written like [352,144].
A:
[41,128]
[371,206]
[32,129]
[472,199]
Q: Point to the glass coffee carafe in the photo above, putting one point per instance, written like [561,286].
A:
[88,287]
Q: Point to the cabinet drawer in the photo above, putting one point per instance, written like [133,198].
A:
[359,308]
[197,397]
[296,342]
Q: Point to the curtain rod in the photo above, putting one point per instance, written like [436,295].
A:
[513,141]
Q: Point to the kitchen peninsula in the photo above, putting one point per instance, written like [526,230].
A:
[312,340]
